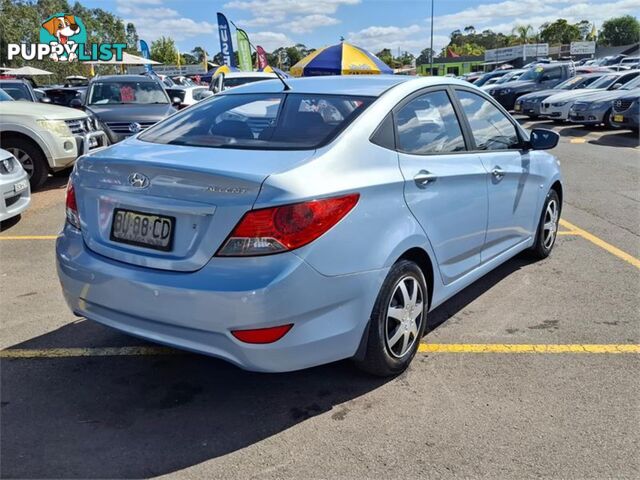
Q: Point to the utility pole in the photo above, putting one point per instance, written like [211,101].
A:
[431,52]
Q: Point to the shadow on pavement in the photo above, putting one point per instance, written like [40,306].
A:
[132,417]
[624,139]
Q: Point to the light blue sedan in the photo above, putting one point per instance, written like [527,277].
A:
[281,226]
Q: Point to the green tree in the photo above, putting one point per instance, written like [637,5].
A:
[386,56]
[199,53]
[132,37]
[620,31]
[425,57]
[164,51]
[560,32]
[522,33]
[585,27]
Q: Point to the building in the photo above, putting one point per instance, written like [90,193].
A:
[452,65]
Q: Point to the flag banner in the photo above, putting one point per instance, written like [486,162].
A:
[226,45]
[262,58]
[144,48]
[244,50]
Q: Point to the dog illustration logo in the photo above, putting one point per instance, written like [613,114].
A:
[66,31]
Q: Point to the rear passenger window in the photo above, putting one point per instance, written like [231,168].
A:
[428,124]
[491,129]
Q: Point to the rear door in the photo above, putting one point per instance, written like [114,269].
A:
[512,181]
[445,186]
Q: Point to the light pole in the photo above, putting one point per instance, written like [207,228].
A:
[431,48]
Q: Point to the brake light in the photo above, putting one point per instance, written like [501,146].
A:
[278,229]
[262,335]
[72,207]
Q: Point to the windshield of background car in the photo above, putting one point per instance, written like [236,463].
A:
[604,81]
[579,81]
[110,93]
[631,85]
[532,74]
[237,81]
[17,91]
[5,97]
[261,121]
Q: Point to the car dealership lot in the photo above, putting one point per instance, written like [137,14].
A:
[78,400]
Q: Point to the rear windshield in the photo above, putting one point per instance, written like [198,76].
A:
[19,91]
[261,121]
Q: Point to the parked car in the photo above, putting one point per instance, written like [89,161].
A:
[20,89]
[540,77]
[224,81]
[45,138]
[189,95]
[490,76]
[15,194]
[598,108]
[126,104]
[64,95]
[363,203]
[512,75]
[531,103]
[626,112]
[557,106]
[631,62]
[182,81]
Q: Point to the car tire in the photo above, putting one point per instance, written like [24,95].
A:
[607,119]
[547,226]
[31,158]
[400,312]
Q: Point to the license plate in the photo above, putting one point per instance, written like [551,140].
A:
[517,108]
[20,186]
[143,229]
[618,118]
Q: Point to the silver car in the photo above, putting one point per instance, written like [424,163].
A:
[15,192]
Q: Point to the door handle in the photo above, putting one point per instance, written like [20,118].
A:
[497,172]
[424,178]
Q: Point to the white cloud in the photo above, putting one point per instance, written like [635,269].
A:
[154,22]
[296,16]
[309,22]
[270,40]
[412,38]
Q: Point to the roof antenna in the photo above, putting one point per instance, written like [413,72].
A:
[281,78]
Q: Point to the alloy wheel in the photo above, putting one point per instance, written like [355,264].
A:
[550,226]
[24,158]
[404,316]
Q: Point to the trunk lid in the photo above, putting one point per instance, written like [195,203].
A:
[206,190]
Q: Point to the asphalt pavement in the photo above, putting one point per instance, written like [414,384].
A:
[530,372]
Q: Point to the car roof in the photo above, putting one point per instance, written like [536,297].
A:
[363,85]
[249,74]
[13,80]
[124,78]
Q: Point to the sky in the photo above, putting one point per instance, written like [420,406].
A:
[372,24]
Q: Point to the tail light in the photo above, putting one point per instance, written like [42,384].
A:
[72,207]
[287,227]
[262,335]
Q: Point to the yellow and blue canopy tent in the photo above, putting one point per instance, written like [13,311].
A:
[340,59]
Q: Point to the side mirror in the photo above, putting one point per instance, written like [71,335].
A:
[616,86]
[542,139]
[45,99]
[176,101]
[75,103]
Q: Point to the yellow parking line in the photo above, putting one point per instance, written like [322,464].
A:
[566,232]
[29,237]
[602,244]
[525,348]
[423,348]
[577,140]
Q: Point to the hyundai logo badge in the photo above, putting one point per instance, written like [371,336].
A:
[138,180]
[134,127]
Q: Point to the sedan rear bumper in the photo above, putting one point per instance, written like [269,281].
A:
[198,310]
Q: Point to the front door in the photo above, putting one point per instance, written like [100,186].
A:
[513,188]
[445,187]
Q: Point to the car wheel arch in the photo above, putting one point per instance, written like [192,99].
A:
[31,139]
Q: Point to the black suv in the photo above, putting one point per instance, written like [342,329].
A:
[539,77]
[125,104]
